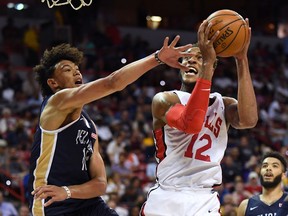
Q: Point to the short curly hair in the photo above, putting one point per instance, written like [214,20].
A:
[48,61]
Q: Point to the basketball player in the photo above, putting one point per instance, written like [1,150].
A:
[67,174]
[190,132]
[273,171]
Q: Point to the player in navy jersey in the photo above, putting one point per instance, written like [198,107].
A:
[67,173]
[270,202]
[190,132]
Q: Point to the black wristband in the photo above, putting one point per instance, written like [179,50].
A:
[157,58]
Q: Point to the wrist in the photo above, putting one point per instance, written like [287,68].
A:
[204,81]
[68,192]
[156,56]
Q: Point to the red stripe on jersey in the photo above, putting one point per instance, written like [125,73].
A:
[142,210]
[160,143]
[93,135]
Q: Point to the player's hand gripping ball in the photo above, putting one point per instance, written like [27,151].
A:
[233,32]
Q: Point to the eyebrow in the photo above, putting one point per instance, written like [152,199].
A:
[266,163]
[61,66]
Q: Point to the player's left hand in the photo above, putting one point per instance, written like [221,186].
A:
[52,192]
[170,54]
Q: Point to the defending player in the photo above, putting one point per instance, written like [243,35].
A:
[67,173]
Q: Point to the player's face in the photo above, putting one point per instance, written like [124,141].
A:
[67,75]
[195,65]
[271,172]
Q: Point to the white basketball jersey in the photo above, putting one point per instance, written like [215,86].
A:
[192,160]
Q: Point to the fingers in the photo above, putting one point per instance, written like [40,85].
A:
[214,36]
[247,21]
[185,47]
[201,29]
[165,43]
[175,41]
[49,202]
[50,193]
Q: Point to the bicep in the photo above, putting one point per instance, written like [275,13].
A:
[161,103]
[96,164]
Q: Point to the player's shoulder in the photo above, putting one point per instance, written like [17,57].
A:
[229,100]
[242,207]
[165,96]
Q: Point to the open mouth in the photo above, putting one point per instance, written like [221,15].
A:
[268,175]
[192,70]
[78,82]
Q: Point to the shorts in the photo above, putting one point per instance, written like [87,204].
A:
[162,202]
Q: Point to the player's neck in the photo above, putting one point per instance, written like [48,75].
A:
[187,88]
[271,195]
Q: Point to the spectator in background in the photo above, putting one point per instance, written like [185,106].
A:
[7,122]
[24,210]
[31,45]
[239,193]
[253,184]
[229,170]
[116,147]
[7,208]
[11,35]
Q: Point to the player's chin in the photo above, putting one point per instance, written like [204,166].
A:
[189,80]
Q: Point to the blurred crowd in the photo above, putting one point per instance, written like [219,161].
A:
[124,118]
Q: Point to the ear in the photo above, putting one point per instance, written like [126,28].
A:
[52,83]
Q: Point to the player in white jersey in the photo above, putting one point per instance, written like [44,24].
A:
[190,133]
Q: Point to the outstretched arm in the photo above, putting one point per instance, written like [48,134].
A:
[243,114]
[76,97]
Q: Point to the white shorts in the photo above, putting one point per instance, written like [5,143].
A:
[162,202]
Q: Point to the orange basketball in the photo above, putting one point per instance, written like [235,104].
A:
[233,32]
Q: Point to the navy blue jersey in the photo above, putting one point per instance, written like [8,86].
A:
[64,160]
[256,207]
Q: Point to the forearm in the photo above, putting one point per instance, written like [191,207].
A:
[131,72]
[116,81]
[90,189]
[190,118]
[247,105]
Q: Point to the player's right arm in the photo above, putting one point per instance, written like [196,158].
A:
[71,98]
[161,103]
[242,208]
[189,118]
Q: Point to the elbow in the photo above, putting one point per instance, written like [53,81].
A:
[249,123]
[102,188]
[253,122]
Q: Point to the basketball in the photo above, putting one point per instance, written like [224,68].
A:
[233,32]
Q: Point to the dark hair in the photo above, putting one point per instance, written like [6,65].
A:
[47,64]
[278,156]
